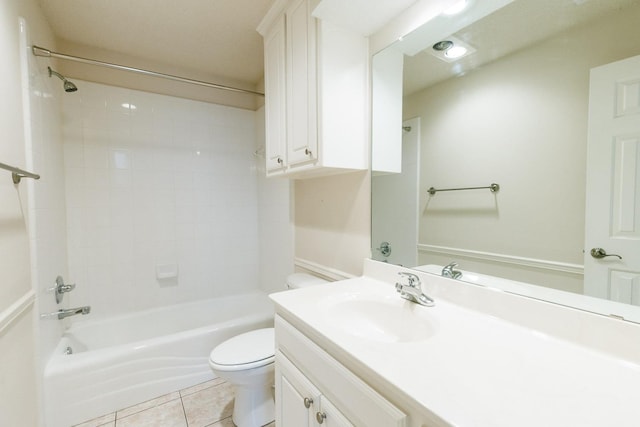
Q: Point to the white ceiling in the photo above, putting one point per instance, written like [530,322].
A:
[520,24]
[214,37]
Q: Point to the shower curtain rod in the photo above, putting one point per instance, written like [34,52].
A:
[40,51]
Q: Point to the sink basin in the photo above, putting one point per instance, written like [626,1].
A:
[381,318]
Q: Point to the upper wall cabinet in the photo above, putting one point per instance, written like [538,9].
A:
[316,86]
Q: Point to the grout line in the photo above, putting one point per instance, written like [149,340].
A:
[144,409]
[184,412]
[117,417]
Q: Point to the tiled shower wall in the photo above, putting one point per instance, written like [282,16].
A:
[157,185]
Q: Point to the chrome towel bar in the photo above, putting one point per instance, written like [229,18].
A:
[17,174]
[493,187]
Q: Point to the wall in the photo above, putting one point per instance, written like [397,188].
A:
[520,122]
[150,84]
[332,222]
[275,220]
[47,216]
[19,339]
[396,204]
[168,184]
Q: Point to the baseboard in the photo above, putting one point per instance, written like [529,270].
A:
[322,270]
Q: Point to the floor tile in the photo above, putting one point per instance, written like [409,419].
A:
[146,405]
[201,386]
[105,420]
[209,405]
[227,422]
[170,414]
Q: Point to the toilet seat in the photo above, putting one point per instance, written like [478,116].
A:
[245,351]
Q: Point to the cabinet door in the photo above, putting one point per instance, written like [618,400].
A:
[302,138]
[330,416]
[275,99]
[297,400]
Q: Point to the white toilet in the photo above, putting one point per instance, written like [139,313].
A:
[246,361]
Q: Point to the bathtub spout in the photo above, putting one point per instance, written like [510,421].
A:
[73,311]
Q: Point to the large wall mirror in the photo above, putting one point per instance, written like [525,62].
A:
[545,103]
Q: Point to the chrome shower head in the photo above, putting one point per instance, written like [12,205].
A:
[68,86]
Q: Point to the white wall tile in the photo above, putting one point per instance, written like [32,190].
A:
[172,181]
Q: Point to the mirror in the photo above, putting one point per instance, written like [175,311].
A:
[519,110]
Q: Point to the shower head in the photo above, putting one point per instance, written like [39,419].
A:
[68,86]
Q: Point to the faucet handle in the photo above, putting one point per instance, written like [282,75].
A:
[412,279]
[60,288]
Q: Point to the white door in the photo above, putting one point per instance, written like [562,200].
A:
[330,416]
[613,183]
[275,108]
[302,134]
[297,400]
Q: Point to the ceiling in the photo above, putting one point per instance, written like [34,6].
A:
[213,37]
[500,34]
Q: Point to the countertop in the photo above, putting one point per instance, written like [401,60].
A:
[476,369]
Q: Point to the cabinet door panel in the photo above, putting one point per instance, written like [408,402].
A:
[275,96]
[301,84]
[332,416]
[292,388]
[294,414]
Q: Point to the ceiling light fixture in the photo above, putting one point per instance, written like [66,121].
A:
[455,52]
[443,46]
[451,49]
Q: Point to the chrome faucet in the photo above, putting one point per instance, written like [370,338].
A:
[412,291]
[73,311]
[448,271]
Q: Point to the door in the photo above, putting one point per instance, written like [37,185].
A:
[274,82]
[302,135]
[330,416]
[297,400]
[613,183]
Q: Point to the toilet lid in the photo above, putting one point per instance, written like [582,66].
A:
[251,349]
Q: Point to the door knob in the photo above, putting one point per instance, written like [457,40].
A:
[599,253]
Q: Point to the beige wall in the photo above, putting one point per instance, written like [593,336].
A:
[333,222]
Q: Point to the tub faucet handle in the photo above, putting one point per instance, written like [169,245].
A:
[60,288]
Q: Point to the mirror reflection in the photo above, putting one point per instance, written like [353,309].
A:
[545,102]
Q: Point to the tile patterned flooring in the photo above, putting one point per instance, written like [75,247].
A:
[209,404]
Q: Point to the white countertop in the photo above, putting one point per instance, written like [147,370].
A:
[480,370]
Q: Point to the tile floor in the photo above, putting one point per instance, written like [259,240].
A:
[209,404]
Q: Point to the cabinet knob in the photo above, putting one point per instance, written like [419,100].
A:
[307,151]
[320,417]
[279,160]
[307,402]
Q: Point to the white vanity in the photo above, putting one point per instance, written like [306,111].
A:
[356,353]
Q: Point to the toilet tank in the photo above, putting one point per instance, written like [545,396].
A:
[302,280]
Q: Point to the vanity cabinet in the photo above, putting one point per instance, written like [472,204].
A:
[316,93]
[300,403]
[312,388]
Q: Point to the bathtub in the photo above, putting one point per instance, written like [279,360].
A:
[120,361]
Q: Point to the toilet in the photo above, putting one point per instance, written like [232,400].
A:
[247,362]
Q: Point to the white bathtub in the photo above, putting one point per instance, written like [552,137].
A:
[125,360]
